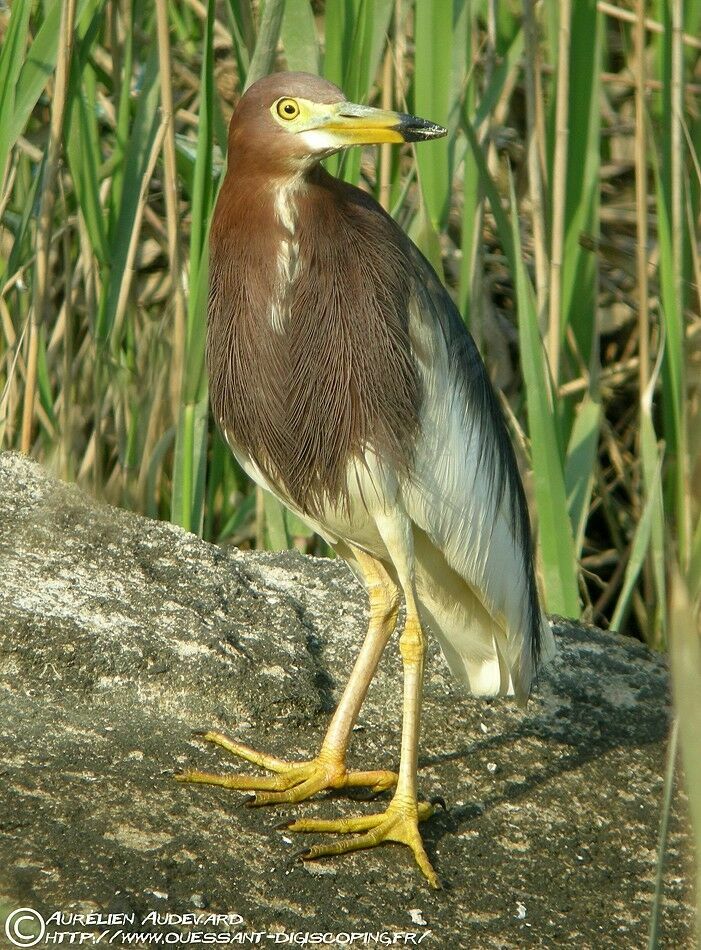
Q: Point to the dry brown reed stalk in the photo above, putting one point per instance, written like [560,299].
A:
[628,16]
[42,277]
[651,85]
[126,283]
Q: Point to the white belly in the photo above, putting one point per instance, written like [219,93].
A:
[370,492]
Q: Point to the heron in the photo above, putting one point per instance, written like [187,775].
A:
[346,384]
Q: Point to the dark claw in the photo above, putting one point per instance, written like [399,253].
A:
[176,772]
[300,855]
[285,825]
[198,733]
[438,800]
[249,801]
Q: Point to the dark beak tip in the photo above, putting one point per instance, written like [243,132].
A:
[413,129]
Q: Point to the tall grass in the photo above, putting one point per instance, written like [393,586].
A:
[562,210]
[110,156]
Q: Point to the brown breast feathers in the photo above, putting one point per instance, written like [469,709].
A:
[308,347]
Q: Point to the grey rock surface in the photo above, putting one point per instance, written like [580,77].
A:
[119,635]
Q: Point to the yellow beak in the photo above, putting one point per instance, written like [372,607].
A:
[353,124]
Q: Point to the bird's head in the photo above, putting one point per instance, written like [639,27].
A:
[292,120]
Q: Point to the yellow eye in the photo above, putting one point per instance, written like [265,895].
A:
[287,109]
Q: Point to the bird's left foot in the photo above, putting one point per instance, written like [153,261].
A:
[400,823]
[290,782]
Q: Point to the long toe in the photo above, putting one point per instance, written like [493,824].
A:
[269,762]
[394,825]
[290,782]
[242,783]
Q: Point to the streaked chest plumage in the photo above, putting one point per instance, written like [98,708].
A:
[309,355]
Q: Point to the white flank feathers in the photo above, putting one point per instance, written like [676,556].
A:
[470,575]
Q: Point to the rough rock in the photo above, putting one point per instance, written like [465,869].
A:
[120,635]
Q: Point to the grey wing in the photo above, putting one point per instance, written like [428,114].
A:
[472,539]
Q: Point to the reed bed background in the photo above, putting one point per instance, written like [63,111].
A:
[562,210]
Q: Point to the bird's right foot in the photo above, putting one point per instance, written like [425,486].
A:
[291,781]
[399,822]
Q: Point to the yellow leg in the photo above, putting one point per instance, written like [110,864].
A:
[297,781]
[400,821]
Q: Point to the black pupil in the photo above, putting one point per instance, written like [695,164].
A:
[289,108]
